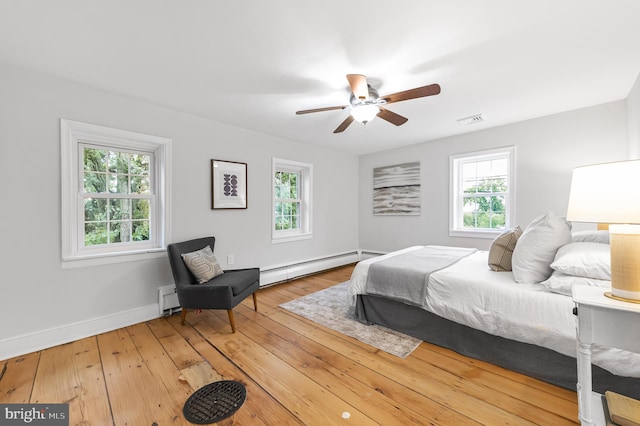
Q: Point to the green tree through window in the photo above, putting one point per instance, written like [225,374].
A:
[116,190]
[482,192]
[287,200]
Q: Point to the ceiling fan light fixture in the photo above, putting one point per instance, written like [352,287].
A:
[364,113]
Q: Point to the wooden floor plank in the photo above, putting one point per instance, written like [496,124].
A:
[433,385]
[310,402]
[334,372]
[260,404]
[17,382]
[73,374]
[295,372]
[548,388]
[137,393]
[497,381]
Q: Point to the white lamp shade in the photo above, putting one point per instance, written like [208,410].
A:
[606,193]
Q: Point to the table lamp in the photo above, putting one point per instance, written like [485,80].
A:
[610,193]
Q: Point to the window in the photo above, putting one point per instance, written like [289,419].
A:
[291,200]
[114,192]
[482,199]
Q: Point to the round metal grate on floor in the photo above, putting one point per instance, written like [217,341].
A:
[214,402]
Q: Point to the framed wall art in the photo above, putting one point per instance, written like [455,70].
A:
[228,185]
[396,189]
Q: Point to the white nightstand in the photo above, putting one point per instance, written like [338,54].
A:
[604,321]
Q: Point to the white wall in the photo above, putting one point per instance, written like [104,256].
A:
[633,120]
[547,149]
[38,295]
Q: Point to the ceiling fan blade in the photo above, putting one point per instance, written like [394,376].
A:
[418,92]
[392,117]
[344,124]
[359,86]
[307,111]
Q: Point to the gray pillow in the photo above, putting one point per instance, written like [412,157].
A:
[202,264]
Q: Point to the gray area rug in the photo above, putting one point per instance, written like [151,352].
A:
[332,308]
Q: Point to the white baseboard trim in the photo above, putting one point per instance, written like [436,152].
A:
[368,254]
[32,342]
[280,273]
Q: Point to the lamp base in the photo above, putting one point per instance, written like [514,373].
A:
[622,299]
[625,262]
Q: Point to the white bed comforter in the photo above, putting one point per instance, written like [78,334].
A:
[470,293]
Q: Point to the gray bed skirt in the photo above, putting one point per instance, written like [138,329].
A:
[531,360]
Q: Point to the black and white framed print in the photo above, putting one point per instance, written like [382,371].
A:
[228,185]
[396,189]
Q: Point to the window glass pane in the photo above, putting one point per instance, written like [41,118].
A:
[118,162]
[499,167]
[95,182]
[497,204]
[119,209]
[140,209]
[483,168]
[140,164]
[95,209]
[95,160]
[469,219]
[140,230]
[120,232]
[95,233]
[499,185]
[482,192]
[118,184]
[140,185]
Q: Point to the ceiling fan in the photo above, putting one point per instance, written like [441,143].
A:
[366,104]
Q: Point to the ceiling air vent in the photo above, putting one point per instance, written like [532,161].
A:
[474,119]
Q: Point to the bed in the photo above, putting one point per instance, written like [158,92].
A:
[485,314]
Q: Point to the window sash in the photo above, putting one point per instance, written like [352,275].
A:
[295,225]
[108,195]
[459,184]
[77,136]
[295,222]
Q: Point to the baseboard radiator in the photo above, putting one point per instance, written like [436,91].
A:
[168,298]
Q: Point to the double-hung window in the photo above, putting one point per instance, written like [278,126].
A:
[115,195]
[482,193]
[291,200]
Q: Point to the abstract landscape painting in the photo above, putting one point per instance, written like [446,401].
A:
[396,189]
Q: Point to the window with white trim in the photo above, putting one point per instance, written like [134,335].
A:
[115,197]
[482,193]
[292,186]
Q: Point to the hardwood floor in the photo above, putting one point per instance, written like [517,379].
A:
[295,372]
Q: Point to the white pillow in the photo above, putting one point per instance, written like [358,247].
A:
[202,264]
[589,260]
[561,283]
[599,236]
[536,248]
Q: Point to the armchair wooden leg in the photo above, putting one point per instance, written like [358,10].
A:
[183,316]
[255,302]
[232,320]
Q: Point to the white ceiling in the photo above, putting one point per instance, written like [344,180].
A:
[253,63]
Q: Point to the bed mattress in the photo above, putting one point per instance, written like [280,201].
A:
[471,294]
